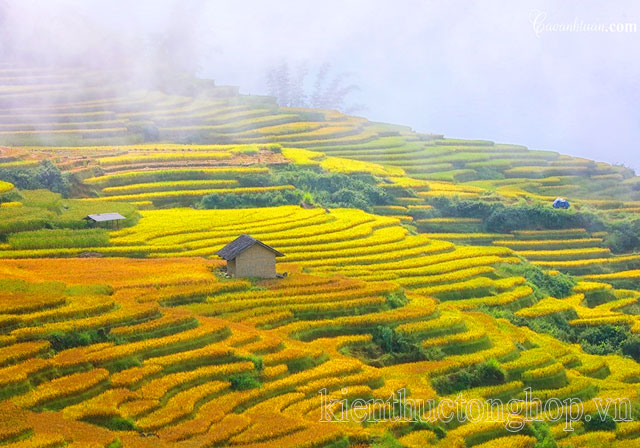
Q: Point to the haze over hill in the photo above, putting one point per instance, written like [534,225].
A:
[465,69]
[183,265]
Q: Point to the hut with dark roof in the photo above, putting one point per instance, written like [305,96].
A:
[249,257]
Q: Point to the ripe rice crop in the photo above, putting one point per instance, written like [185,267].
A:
[196,337]
[549,234]
[622,275]
[389,209]
[201,360]
[462,237]
[169,186]
[473,286]
[158,388]
[18,352]
[133,376]
[437,264]
[565,254]
[448,220]
[59,238]
[18,164]
[455,276]
[180,405]
[166,324]
[581,264]
[121,179]
[175,195]
[86,133]
[5,186]
[162,157]
[584,287]
[182,387]
[62,388]
[447,323]
[508,298]
[514,441]
[545,307]
[10,204]
[549,244]
[104,405]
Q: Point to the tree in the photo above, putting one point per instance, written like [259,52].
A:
[631,347]
[327,91]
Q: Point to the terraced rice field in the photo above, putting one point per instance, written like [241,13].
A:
[177,350]
[572,250]
[134,336]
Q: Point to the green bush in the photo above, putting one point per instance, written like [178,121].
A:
[327,189]
[541,431]
[118,424]
[244,381]
[396,344]
[488,373]
[299,364]
[501,218]
[62,341]
[631,347]
[623,236]
[603,339]
[544,285]
[45,175]
[257,361]
[596,422]
[334,189]
[387,440]
[397,299]
[248,200]
[598,340]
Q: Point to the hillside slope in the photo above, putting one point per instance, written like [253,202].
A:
[414,262]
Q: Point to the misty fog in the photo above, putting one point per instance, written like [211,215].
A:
[467,69]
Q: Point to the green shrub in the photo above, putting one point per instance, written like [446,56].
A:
[387,440]
[62,341]
[623,236]
[119,424]
[488,373]
[631,347]
[501,218]
[541,431]
[603,339]
[334,190]
[327,189]
[248,200]
[45,175]
[397,299]
[244,381]
[598,340]
[257,361]
[544,285]
[299,364]
[596,422]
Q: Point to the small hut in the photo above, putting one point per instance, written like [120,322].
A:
[249,257]
[104,218]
